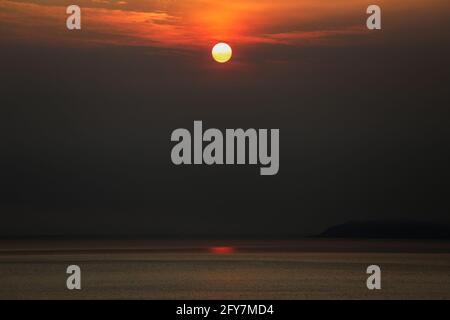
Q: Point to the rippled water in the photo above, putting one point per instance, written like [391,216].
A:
[233,276]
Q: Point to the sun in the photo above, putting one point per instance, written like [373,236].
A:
[222,52]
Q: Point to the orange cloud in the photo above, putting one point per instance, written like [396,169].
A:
[190,24]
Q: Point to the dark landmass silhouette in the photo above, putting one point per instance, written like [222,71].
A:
[382,229]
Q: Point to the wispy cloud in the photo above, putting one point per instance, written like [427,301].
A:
[169,24]
[187,25]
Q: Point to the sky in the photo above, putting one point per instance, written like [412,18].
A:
[86,115]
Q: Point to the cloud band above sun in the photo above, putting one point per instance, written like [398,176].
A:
[187,26]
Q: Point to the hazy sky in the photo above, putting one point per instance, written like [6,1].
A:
[86,116]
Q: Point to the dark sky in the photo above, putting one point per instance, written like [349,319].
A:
[86,117]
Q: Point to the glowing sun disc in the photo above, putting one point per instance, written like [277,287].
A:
[222,52]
